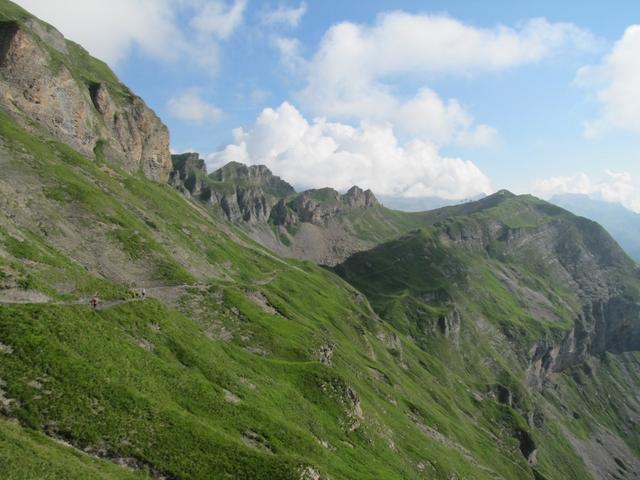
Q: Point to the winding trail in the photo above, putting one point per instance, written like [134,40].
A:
[169,294]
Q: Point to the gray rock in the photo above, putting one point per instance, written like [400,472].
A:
[47,93]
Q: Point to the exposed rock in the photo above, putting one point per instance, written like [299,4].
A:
[325,353]
[354,410]
[578,253]
[7,404]
[319,206]
[527,445]
[606,455]
[231,397]
[189,175]
[347,397]
[245,194]
[449,323]
[255,440]
[309,473]
[358,198]
[261,301]
[145,344]
[281,214]
[47,94]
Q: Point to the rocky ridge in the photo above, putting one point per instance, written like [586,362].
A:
[51,85]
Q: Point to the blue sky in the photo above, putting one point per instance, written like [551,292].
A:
[410,98]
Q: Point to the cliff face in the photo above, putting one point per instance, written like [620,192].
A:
[320,206]
[189,175]
[251,194]
[537,252]
[44,89]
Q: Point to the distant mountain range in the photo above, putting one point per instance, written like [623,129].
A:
[421,204]
[622,223]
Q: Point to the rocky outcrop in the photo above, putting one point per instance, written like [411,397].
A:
[320,206]
[251,194]
[578,254]
[41,87]
[250,205]
[189,175]
[358,198]
[247,193]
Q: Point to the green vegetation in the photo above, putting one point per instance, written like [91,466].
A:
[411,360]
[224,378]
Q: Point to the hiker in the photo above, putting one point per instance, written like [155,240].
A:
[94,301]
[143,293]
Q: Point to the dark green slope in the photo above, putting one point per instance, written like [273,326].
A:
[623,224]
[545,300]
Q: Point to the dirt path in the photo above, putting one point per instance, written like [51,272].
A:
[169,295]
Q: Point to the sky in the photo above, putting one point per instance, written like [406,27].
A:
[408,98]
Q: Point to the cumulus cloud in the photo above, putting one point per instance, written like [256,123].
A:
[190,106]
[617,187]
[288,16]
[617,83]
[321,153]
[351,74]
[112,30]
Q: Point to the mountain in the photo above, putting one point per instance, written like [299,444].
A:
[495,339]
[421,204]
[319,225]
[623,224]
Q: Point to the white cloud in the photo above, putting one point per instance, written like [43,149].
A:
[289,49]
[617,81]
[190,106]
[617,187]
[352,74]
[289,16]
[216,18]
[109,30]
[322,153]
[112,30]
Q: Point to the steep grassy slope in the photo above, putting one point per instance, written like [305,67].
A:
[502,342]
[623,224]
[261,368]
[516,281]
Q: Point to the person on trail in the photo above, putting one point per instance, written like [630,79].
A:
[94,301]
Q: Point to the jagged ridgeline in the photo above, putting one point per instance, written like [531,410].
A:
[496,339]
[321,225]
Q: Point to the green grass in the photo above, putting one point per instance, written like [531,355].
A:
[226,381]
[26,454]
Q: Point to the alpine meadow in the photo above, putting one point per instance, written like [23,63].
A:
[255,311]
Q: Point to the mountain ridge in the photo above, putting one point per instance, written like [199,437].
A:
[496,339]
[622,223]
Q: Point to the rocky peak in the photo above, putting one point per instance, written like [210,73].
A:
[358,198]
[241,175]
[189,174]
[52,86]
[188,163]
